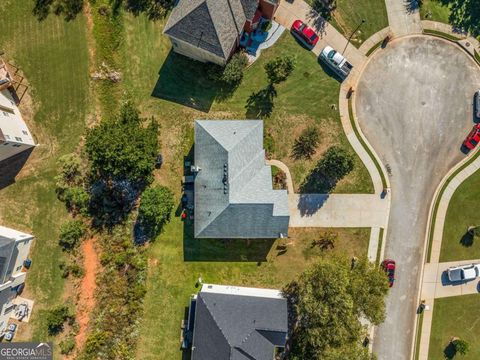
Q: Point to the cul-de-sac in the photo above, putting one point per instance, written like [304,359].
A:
[239,179]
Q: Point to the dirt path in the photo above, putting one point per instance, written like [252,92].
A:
[86,300]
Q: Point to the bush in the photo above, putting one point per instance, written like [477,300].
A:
[155,208]
[461,346]
[76,199]
[267,25]
[268,142]
[305,145]
[233,73]
[67,345]
[71,233]
[56,317]
[279,69]
[74,269]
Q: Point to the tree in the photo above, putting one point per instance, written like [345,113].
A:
[125,147]
[76,199]
[324,7]
[71,233]
[279,69]
[461,346]
[56,317]
[305,145]
[233,73]
[155,208]
[327,302]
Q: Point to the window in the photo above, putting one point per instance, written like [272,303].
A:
[16,145]
[18,268]
[7,137]
[24,132]
[6,143]
[18,138]
[5,113]
[9,309]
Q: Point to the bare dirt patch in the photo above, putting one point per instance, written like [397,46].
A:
[88,285]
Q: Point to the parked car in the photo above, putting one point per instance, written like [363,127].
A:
[305,33]
[389,268]
[476,104]
[336,62]
[473,138]
[463,273]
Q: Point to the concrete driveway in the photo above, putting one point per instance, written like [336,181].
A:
[414,105]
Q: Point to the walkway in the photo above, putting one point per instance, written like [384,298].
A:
[286,170]
[403,17]
[288,12]
[432,285]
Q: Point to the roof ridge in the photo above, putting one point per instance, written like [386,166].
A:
[215,321]
[169,26]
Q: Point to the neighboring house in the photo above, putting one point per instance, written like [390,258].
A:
[14,250]
[237,323]
[210,30]
[14,134]
[234,196]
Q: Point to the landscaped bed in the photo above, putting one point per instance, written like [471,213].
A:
[456,316]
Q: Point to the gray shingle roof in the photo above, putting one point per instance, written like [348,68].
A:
[234,197]
[238,327]
[212,25]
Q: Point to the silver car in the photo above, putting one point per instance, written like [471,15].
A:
[463,272]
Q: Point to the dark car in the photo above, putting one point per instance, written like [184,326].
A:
[473,138]
[304,32]
[388,266]
[476,104]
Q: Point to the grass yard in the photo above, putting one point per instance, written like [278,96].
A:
[455,317]
[172,280]
[349,15]
[54,58]
[435,10]
[462,212]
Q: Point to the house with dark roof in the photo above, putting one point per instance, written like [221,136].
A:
[233,191]
[210,30]
[237,323]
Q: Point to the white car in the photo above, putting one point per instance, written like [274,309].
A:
[336,61]
[463,272]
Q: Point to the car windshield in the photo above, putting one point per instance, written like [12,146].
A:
[331,54]
[473,141]
[313,37]
[301,27]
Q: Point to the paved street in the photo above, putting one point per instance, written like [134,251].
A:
[414,104]
[403,17]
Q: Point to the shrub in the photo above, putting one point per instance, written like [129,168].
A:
[461,346]
[268,142]
[70,234]
[267,25]
[305,145]
[75,269]
[279,69]
[56,317]
[155,208]
[233,73]
[76,199]
[67,345]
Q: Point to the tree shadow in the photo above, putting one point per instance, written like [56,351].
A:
[449,352]
[218,250]
[11,167]
[320,15]
[412,6]
[260,104]
[69,9]
[186,82]
[309,204]
[464,15]
[467,239]
[329,71]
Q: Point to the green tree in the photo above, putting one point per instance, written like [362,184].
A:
[67,345]
[124,147]
[76,199]
[71,233]
[328,300]
[233,73]
[155,208]
[324,7]
[461,346]
[305,145]
[279,69]
[56,317]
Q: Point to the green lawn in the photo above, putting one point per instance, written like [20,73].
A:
[349,14]
[455,317]
[53,56]
[434,10]
[462,212]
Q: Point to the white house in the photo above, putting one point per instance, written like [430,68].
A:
[14,134]
[14,250]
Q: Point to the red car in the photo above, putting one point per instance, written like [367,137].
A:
[389,267]
[473,138]
[304,32]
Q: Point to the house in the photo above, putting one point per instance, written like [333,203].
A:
[233,192]
[210,30]
[237,323]
[14,134]
[14,250]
